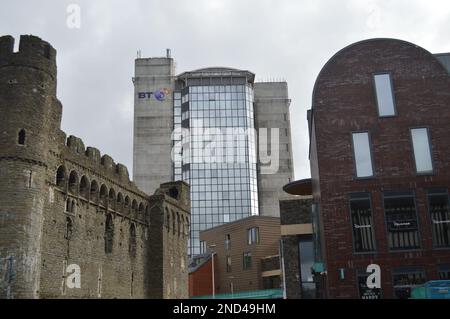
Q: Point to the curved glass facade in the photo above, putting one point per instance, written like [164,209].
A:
[219,161]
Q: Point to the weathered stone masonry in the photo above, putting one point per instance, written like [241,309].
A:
[63,204]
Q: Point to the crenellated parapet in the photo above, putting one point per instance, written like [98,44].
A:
[33,52]
[91,158]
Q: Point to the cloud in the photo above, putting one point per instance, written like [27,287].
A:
[287,39]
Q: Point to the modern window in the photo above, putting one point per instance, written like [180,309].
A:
[247,260]
[364,291]
[444,272]
[253,236]
[401,220]
[223,182]
[385,96]
[404,279]
[422,150]
[202,247]
[438,206]
[362,154]
[306,254]
[362,224]
[228,265]
[227,242]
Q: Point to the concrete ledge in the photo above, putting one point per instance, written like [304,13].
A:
[296,229]
[270,273]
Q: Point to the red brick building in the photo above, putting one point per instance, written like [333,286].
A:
[246,254]
[380,167]
[200,276]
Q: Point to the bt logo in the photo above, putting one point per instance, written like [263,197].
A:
[159,95]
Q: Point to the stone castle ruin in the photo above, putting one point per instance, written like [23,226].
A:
[66,210]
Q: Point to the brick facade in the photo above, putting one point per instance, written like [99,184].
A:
[293,212]
[236,276]
[344,101]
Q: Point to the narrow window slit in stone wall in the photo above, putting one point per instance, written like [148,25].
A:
[22,135]
[109,234]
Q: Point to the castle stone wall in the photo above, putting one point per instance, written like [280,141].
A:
[63,204]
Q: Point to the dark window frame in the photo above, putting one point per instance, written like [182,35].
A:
[394,101]
[355,170]
[444,268]
[250,241]
[247,262]
[369,197]
[430,146]
[405,270]
[419,231]
[227,242]
[437,191]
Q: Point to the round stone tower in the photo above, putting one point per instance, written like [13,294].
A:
[30,118]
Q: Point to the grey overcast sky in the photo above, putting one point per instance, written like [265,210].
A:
[276,39]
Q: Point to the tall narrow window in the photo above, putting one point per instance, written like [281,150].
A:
[73,182]
[109,234]
[132,247]
[361,215]
[84,187]
[227,242]
[438,205]
[253,236]
[363,156]
[168,220]
[306,252]
[422,150]
[385,97]
[202,247]
[22,135]
[60,176]
[228,265]
[69,228]
[401,220]
[247,260]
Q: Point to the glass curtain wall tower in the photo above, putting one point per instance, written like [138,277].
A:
[217,110]
[214,122]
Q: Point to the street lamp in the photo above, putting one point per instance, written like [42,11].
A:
[231,286]
[212,264]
